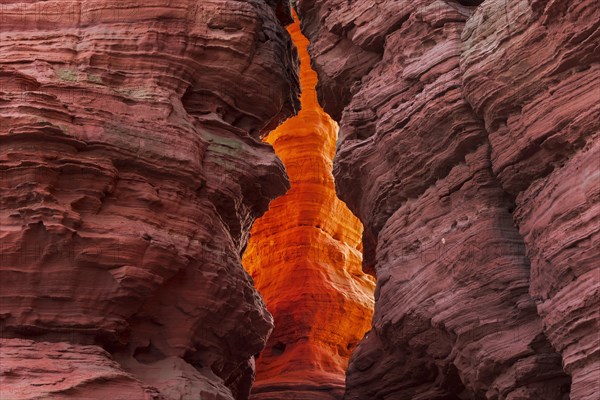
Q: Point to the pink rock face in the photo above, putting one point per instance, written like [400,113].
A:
[469,149]
[131,174]
[542,113]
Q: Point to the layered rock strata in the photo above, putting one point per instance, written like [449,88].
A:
[544,132]
[305,257]
[131,174]
[469,149]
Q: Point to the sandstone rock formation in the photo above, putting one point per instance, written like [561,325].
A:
[545,139]
[469,149]
[131,174]
[304,256]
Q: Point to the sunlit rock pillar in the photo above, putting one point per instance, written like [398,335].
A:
[305,257]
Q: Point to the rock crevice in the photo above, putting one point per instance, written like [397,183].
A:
[304,256]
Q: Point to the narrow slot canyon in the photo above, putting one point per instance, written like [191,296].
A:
[305,256]
[299,200]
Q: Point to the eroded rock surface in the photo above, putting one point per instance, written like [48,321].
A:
[131,174]
[304,255]
[469,149]
[544,132]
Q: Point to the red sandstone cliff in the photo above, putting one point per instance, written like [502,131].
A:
[304,255]
[469,149]
[131,174]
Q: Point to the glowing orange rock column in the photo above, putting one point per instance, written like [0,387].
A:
[305,257]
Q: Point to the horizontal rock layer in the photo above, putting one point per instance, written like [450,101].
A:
[304,255]
[131,174]
[44,370]
[469,149]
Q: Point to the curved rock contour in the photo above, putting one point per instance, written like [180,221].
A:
[304,255]
[131,175]
[542,115]
[467,146]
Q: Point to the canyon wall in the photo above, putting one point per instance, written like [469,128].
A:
[131,172]
[469,149]
[304,255]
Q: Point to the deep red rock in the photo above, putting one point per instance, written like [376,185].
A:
[542,113]
[131,174]
[460,134]
[34,370]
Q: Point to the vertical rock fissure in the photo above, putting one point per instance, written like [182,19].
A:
[305,257]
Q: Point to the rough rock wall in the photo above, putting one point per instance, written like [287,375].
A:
[131,173]
[469,149]
[304,256]
[545,138]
